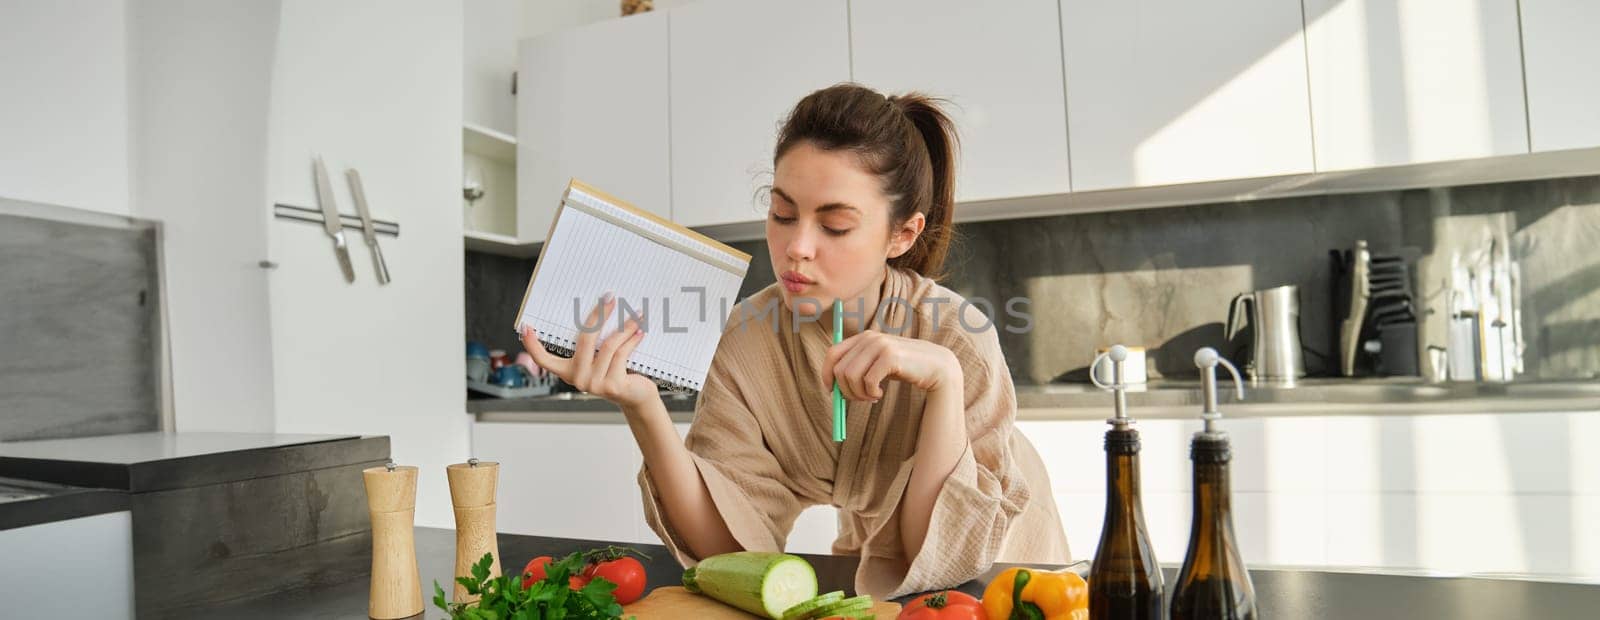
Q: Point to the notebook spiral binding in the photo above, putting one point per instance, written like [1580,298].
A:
[667,381]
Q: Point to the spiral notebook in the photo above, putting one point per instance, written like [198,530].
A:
[683,283]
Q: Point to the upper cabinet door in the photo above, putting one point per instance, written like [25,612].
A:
[592,105]
[999,63]
[1561,54]
[1410,81]
[1177,91]
[738,68]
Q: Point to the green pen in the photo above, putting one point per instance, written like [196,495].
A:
[838,400]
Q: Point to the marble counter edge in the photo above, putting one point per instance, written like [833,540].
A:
[1058,403]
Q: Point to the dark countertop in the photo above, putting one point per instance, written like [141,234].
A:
[1164,399]
[26,502]
[140,462]
[1280,593]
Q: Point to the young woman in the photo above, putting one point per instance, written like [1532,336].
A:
[933,483]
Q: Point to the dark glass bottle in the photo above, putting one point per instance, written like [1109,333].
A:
[1124,581]
[1213,583]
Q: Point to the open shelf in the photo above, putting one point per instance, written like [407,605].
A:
[489,143]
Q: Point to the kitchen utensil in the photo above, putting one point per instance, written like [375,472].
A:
[1274,319]
[395,590]
[476,349]
[478,369]
[1134,371]
[676,602]
[1359,269]
[511,376]
[1397,354]
[472,490]
[367,229]
[331,221]
[498,359]
[525,360]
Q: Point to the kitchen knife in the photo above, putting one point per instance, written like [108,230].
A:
[366,225]
[1360,296]
[331,221]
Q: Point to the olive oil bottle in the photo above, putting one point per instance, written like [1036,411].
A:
[1124,581]
[1213,582]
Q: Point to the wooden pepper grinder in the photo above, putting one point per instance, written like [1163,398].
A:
[472,488]
[396,589]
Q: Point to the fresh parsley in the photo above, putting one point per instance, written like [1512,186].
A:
[504,598]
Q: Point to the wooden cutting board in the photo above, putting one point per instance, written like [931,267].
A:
[672,602]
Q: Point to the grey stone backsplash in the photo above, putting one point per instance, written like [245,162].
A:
[1163,278]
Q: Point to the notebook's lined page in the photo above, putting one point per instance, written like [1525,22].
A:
[587,256]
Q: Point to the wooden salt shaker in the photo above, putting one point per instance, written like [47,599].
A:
[472,490]
[396,588]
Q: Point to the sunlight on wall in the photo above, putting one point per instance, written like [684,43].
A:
[1348,67]
[1405,81]
[1584,465]
[1466,515]
[1214,123]
[1437,60]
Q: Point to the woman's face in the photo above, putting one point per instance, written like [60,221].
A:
[828,230]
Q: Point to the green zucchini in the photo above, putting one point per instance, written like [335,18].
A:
[808,609]
[762,583]
[852,607]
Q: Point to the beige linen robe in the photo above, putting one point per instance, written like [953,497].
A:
[762,440]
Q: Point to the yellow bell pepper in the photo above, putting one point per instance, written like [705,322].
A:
[1025,594]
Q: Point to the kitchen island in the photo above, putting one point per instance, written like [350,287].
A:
[1281,593]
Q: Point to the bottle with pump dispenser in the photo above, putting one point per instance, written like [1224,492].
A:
[1213,582]
[1124,581]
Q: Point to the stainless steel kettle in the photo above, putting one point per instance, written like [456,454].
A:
[1275,340]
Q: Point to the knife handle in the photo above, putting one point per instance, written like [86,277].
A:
[377,262]
[342,251]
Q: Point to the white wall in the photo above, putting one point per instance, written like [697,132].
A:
[64,114]
[490,57]
[200,77]
[375,85]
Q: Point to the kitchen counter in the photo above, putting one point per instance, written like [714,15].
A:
[26,502]
[1165,399]
[140,462]
[1280,593]
[217,516]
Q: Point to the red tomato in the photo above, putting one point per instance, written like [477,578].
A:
[535,573]
[948,605]
[626,572]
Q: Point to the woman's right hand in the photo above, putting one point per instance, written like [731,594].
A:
[603,373]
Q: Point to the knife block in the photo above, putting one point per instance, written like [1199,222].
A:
[396,588]
[472,491]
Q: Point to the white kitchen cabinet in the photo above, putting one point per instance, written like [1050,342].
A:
[592,105]
[1170,91]
[738,68]
[580,481]
[37,583]
[999,64]
[1410,81]
[1560,54]
[568,480]
[1387,491]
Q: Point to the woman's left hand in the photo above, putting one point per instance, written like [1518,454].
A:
[861,363]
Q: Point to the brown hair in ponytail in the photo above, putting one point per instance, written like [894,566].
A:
[906,140]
